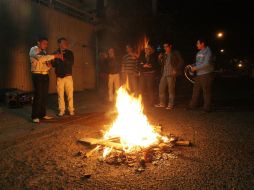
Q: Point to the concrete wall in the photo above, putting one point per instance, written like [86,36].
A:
[21,22]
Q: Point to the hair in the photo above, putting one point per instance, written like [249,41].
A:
[169,43]
[42,38]
[130,46]
[59,40]
[203,40]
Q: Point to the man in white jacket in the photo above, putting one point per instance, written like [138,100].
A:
[40,68]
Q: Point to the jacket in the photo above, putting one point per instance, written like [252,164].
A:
[64,67]
[39,60]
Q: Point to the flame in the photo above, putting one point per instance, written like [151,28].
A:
[142,44]
[131,125]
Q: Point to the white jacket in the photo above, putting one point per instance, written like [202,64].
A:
[39,60]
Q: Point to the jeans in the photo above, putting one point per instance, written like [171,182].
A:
[167,81]
[41,85]
[147,85]
[204,83]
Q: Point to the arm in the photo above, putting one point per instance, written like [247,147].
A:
[206,62]
[34,53]
[69,59]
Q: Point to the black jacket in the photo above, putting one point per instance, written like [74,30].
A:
[151,60]
[64,67]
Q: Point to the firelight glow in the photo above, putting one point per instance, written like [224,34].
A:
[131,125]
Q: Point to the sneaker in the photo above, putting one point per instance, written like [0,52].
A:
[36,120]
[72,113]
[169,107]
[159,105]
[47,117]
[60,114]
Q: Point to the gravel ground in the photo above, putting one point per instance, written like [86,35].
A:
[45,156]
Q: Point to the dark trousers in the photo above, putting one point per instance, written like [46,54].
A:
[204,83]
[41,85]
[133,81]
[147,81]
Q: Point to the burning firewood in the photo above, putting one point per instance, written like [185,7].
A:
[131,139]
[104,142]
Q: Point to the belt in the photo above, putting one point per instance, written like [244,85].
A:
[40,72]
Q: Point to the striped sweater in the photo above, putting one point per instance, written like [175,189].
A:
[129,64]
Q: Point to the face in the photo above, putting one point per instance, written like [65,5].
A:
[147,51]
[128,49]
[64,44]
[111,52]
[200,45]
[43,45]
[167,48]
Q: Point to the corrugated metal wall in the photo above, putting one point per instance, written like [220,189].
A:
[22,21]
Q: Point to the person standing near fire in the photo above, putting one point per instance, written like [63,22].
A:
[204,76]
[113,74]
[40,67]
[171,65]
[147,67]
[130,69]
[63,70]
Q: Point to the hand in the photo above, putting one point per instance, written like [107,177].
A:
[160,56]
[59,56]
[49,64]
[147,65]
[193,69]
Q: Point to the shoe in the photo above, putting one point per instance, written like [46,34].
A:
[36,120]
[169,107]
[72,113]
[159,106]
[60,114]
[47,117]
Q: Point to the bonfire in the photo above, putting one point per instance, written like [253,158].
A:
[131,138]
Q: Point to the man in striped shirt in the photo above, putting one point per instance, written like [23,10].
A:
[130,69]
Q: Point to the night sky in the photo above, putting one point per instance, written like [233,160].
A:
[235,18]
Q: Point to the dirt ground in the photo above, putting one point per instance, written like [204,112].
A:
[45,156]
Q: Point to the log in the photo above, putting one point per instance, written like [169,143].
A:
[182,143]
[103,142]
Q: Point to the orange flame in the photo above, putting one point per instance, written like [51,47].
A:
[131,125]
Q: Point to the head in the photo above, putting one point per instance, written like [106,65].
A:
[103,55]
[111,52]
[62,43]
[167,47]
[129,49]
[42,42]
[148,50]
[201,43]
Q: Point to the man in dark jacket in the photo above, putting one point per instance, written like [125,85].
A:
[147,67]
[171,62]
[63,70]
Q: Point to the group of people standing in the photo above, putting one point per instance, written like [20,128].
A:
[149,72]
[41,62]
[140,71]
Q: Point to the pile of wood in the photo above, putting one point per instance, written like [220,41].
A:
[139,158]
